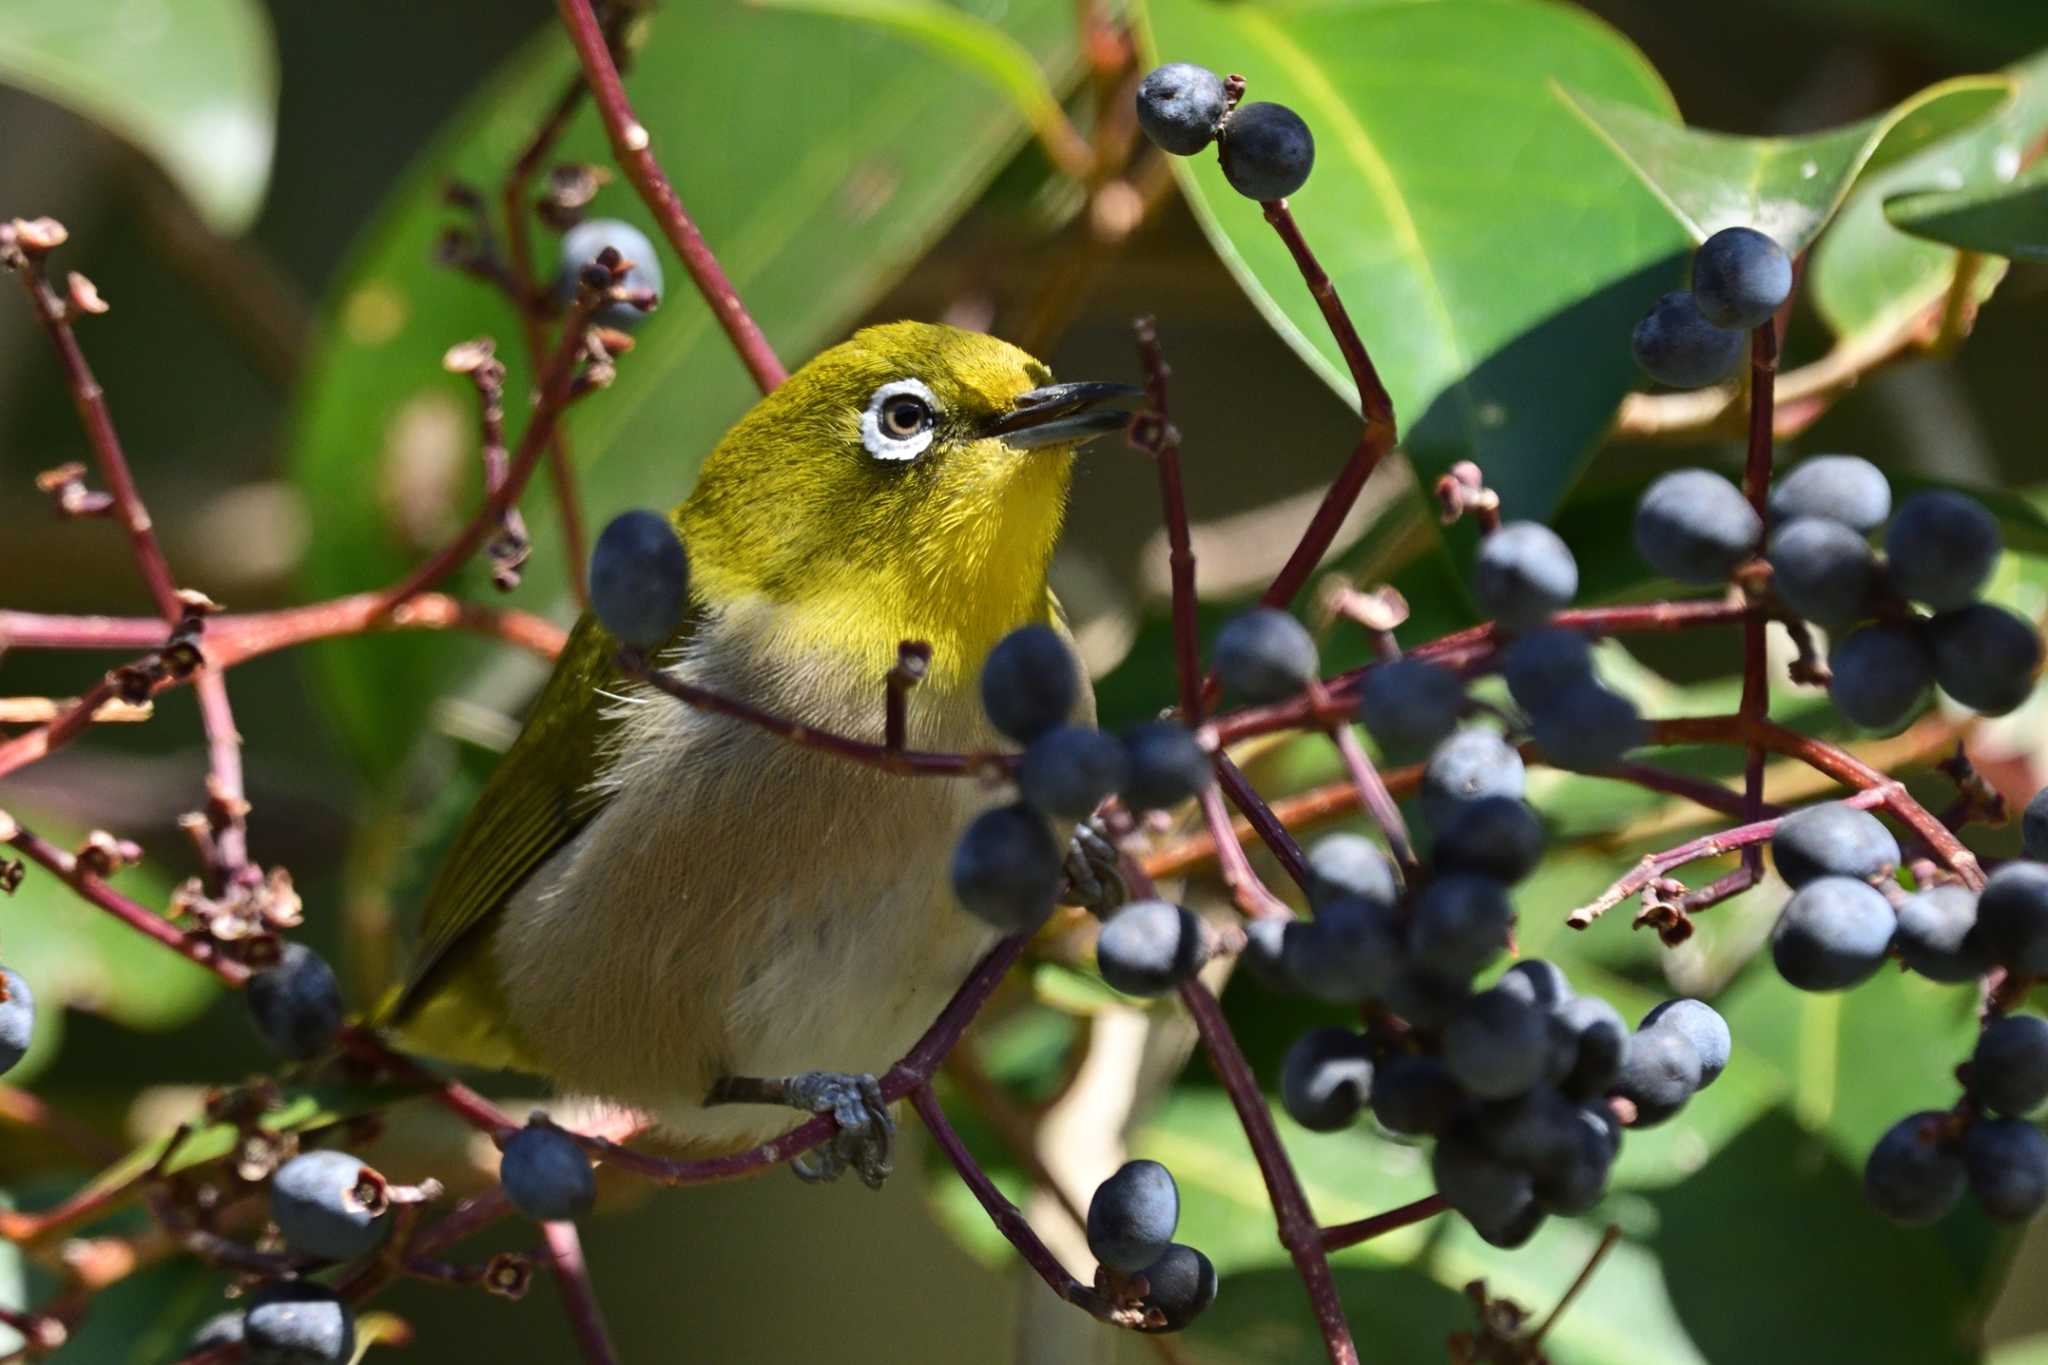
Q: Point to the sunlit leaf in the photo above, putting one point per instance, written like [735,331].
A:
[1493,252]
[192,83]
[1788,187]
[2009,219]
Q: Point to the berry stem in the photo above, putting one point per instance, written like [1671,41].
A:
[579,1296]
[1297,1226]
[1342,1235]
[1155,434]
[237,638]
[1007,1217]
[32,746]
[1226,845]
[1756,486]
[630,148]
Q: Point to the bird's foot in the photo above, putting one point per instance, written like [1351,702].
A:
[1094,879]
[867,1134]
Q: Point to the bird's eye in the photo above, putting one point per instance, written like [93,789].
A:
[906,416]
[899,420]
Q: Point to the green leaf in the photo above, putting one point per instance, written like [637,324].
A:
[1788,187]
[971,43]
[192,83]
[815,206]
[1868,279]
[1492,251]
[2007,219]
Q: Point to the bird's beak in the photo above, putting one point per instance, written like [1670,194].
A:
[1060,415]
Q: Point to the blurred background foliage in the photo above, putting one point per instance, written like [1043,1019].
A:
[1503,186]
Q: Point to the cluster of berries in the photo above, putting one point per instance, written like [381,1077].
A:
[1694,337]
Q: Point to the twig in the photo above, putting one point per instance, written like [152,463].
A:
[630,147]
[579,1298]
[236,638]
[1155,434]
[1607,1241]
[1297,1226]
[1756,682]
[1365,1229]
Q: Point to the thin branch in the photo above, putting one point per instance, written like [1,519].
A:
[1756,682]
[630,147]
[1579,1282]
[1155,434]
[1365,1229]
[579,1297]
[32,746]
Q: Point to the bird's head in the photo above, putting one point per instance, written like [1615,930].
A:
[908,483]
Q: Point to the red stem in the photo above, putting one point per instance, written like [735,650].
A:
[579,1297]
[630,149]
[1297,1226]
[1009,1220]
[32,746]
[1756,486]
[1365,1229]
[1157,436]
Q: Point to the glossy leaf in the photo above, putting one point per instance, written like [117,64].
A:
[1788,187]
[192,83]
[2009,219]
[815,205]
[1868,279]
[1492,251]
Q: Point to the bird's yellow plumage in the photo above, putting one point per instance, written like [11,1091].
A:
[646,898]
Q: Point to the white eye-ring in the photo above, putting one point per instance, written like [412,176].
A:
[898,422]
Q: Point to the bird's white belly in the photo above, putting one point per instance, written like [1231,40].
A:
[743,906]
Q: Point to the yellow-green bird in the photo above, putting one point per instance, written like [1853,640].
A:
[649,900]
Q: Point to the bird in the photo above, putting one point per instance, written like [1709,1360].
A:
[668,909]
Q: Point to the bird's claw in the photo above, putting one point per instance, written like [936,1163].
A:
[1094,880]
[867,1134]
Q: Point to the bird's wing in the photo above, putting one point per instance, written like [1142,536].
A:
[536,800]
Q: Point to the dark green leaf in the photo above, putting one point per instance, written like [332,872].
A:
[1788,187]
[2009,219]
[1493,252]
[814,204]
[193,85]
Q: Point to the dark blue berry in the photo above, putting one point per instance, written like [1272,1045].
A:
[2009,1070]
[1575,1184]
[1497,1046]
[1499,836]
[639,579]
[1832,840]
[1882,674]
[1659,1073]
[2007,1160]
[2012,917]
[1937,934]
[222,1329]
[1006,869]
[1674,344]
[1351,865]
[1181,1285]
[1029,683]
[1600,1045]
[1471,765]
[296,1003]
[1326,1078]
[1832,935]
[1459,924]
[1843,488]
[297,1322]
[1702,1026]
[1985,657]
[1544,663]
[1132,1216]
[1940,548]
[1493,1196]
[1410,705]
[1265,951]
[1179,106]
[1740,277]
[1695,526]
[1347,953]
[330,1205]
[1267,151]
[1587,727]
[1068,770]
[1150,947]
[1427,997]
[1537,981]
[2034,826]
[1168,766]
[17,1018]
[1823,571]
[1415,1095]
[1915,1173]
[1265,655]
[1524,572]
[581,246]
[546,1175]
